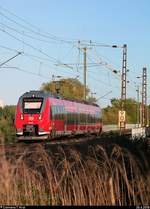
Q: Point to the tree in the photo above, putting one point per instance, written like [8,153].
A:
[7,129]
[110,113]
[70,88]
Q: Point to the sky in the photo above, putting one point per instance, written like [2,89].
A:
[46,32]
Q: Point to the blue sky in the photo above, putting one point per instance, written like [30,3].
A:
[103,21]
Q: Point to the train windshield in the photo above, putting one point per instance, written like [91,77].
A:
[32,105]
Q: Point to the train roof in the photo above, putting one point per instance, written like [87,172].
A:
[36,93]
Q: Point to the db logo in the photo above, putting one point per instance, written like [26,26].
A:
[31,118]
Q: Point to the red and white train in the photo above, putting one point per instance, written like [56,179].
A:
[42,115]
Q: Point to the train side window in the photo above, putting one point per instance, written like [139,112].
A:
[59,112]
[55,112]
[79,118]
[94,118]
[83,118]
[88,118]
[62,112]
[52,112]
[69,118]
[72,118]
[75,118]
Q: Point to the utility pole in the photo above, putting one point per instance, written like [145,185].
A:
[138,107]
[144,97]
[57,83]
[84,47]
[123,88]
[124,77]
[85,70]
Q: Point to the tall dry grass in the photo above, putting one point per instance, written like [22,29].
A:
[66,177]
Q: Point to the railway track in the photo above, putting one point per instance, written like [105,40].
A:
[19,149]
[22,148]
[107,129]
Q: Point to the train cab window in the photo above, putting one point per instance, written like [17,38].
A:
[32,105]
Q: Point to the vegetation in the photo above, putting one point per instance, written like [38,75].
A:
[108,171]
[7,116]
[110,113]
[112,172]
[70,88]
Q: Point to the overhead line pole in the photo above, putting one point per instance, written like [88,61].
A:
[84,49]
[124,78]
[85,71]
[138,106]
[123,86]
[144,97]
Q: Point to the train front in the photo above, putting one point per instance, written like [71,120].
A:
[32,116]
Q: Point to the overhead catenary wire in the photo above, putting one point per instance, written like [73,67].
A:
[30,56]
[54,60]
[46,36]
[30,29]
[25,71]
[3,63]
[91,75]
[23,33]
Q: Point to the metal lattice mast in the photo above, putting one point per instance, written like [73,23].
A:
[85,70]
[123,83]
[124,77]
[138,106]
[144,97]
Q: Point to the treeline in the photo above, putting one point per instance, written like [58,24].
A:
[7,129]
[110,113]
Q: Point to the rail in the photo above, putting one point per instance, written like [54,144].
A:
[107,128]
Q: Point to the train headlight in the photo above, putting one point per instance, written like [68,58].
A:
[40,117]
[21,116]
